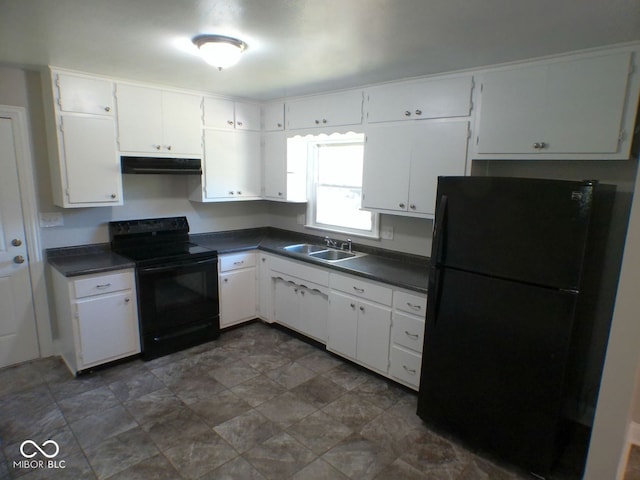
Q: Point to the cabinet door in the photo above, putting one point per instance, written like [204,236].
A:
[107,327]
[182,124]
[584,104]
[139,119]
[342,325]
[314,309]
[237,296]
[248,164]
[265,288]
[343,109]
[91,164]
[374,332]
[85,95]
[438,148]
[218,113]
[387,156]
[247,116]
[305,113]
[286,303]
[274,162]
[273,116]
[512,110]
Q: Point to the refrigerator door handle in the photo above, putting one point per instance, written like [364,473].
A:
[434,270]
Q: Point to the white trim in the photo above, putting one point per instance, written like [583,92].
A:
[18,116]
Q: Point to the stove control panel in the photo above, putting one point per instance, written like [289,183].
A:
[148,227]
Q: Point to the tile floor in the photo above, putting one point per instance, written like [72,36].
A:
[255,404]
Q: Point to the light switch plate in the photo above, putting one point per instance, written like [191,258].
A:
[386,233]
[51,219]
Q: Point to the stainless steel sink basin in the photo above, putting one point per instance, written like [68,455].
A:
[304,248]
[332,255]
[320,252]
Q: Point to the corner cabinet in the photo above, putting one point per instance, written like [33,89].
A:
[81,133]
[562,109]
[97,318]
[159,122]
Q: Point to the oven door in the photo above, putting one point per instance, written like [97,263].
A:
[178,304]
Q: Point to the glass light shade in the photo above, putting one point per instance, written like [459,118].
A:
[221,52]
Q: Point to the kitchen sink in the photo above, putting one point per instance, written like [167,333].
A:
[320,252]
[332,255]
[304,248]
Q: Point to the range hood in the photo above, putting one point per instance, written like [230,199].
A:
[159,165]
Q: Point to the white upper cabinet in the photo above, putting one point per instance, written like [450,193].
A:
[273,116]
[152,121]
[402,163]
[441,98]
[85,95]
[227,114]
[81,130]
[563,109]
[325,111]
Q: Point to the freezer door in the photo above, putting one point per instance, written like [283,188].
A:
[522,229]
[493,365]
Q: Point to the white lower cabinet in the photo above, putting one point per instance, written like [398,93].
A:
[265,288]
[97,318]
[300,294]
[407,337]
[359,324]
[237,288]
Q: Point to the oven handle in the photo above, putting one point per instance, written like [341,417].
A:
[173,266]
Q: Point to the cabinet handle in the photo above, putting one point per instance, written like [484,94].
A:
[539,145]
[418,112]
[415,307]
[359,290]
[407,113]
[412,206]
[107,109]
[104,285]
[412,335]
[412,371]
[240,262]
[361,308]
[401,205]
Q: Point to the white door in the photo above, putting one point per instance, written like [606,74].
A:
[18,338]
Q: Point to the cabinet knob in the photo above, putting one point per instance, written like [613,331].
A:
[418,112]
[229,122]
[539,145]
[317,122]
[324,120]
[107,109]
[16,242]
[412,206]
[169,147]
[407,113]
[239,192]
[361,308]
[157,147]
[279,125]
[353,305]
[401,205]
[113,195]
[302,292]
[239,124]
[226,280]
[279,194]
[230,192]
[127,300]
[264,259]
[18,259]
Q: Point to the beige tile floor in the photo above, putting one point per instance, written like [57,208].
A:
[255,404]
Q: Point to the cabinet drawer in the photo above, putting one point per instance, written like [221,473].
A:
[408,331]
[405,366]
[236,261]
[99,284]
[407,302]
[360,288]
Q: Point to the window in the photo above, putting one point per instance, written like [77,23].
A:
[336,185]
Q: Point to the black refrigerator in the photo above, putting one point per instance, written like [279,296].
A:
[505,284]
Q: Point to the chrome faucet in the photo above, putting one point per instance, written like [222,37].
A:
[348,244]
[329,242]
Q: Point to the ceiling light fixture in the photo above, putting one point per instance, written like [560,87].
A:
[219,50]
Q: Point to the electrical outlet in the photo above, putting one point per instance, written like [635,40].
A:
[51,219]
[386,233]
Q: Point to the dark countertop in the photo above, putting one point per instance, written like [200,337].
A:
[398,269]
[85,260]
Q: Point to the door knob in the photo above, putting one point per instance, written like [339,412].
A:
[16,242]
[18,259]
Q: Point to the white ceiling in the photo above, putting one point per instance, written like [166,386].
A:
[302,46]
